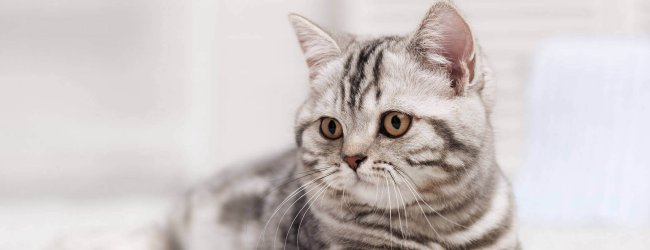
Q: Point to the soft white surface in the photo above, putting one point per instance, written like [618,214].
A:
[41,223]
[588,138]
[592,238]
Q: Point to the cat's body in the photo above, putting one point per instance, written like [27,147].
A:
[395,151]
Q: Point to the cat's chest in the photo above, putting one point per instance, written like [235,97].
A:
[369,232]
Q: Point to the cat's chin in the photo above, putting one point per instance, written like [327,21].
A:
[376,195]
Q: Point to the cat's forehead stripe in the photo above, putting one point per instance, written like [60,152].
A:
[346,70]
[354,84]
[375,80]
[376,72]
[359,75]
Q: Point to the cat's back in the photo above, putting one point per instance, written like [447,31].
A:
[230,208]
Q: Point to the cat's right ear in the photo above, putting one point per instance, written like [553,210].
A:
[318,46]
[444,39]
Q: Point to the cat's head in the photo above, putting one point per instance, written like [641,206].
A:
[392,114]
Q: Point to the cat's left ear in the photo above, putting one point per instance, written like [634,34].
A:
[318,46]
[444,39]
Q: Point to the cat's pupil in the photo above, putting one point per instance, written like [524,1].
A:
[395,122]
[331,127]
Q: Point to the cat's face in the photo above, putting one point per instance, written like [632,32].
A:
[386,121]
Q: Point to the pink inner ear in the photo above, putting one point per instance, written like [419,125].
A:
[458,47]
[444,32]
[456,41]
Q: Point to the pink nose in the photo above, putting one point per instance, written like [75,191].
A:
[354,161]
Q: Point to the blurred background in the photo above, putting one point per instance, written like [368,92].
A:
[109,109]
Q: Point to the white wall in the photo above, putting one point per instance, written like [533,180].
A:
[91,96]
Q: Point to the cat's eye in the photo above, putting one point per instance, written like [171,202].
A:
[330,128]
[395,124]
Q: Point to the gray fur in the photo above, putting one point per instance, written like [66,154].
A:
[436,187]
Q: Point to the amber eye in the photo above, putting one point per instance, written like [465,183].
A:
[330,128]
[395,124]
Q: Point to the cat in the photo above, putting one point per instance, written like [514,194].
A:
[394,151]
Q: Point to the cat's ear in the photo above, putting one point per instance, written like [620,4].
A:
[318,46]
[445,39]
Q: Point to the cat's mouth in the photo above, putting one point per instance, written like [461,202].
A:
[371,179]
[355,178]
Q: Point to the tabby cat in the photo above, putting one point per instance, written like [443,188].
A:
[394,151]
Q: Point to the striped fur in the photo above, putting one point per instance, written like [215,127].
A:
[436,187]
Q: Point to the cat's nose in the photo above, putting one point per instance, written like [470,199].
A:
[354,161]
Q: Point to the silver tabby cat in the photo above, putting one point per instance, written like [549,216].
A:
[395,151]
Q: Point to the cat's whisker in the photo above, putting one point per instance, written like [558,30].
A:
[288,198]
[303,216]
[380,196]
[318,193]
[291,195]
[303,195]
[291,206]
[390,210]
[303,174]
[376,198]
[398,193]
[436,211]
[311,170]
[403,205]
[318,187]
[418,203]
[345,201]
[399,214]
[299,175]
